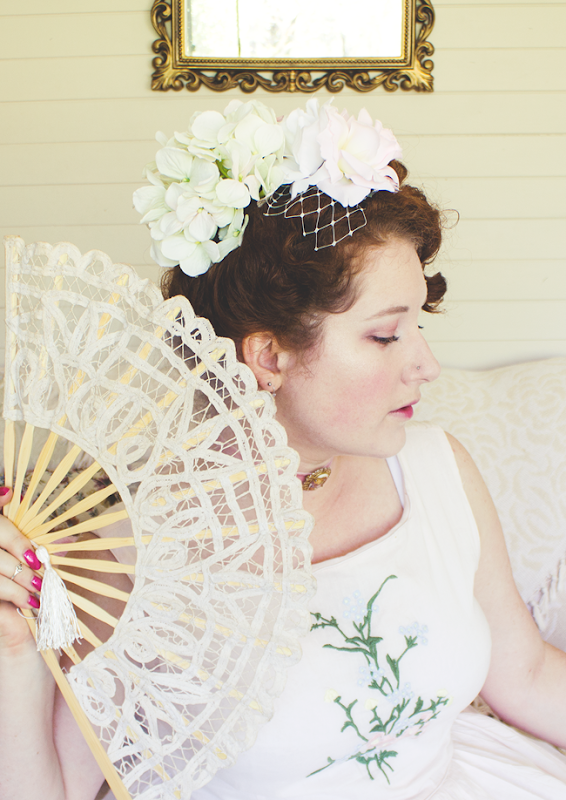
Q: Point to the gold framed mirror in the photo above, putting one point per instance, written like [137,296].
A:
[296,46]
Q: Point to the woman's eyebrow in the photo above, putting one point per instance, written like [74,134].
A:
[387,311]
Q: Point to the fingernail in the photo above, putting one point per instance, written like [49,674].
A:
[36,583]
[32,560]
[4,490]
[33,601]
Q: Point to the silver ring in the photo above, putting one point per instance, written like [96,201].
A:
[19,568]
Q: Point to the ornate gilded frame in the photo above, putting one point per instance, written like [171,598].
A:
[174,70]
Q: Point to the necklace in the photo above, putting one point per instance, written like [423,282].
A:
[315,479]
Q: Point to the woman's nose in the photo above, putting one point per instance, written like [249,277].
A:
[426,367]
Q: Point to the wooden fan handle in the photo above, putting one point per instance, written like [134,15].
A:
[98,751]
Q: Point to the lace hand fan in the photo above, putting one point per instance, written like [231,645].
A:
[188,666]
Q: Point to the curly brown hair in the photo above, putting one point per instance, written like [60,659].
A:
[277,282]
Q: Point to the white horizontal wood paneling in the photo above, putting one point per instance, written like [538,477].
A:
[492,25]
[514,279]
[503,198]
[76,35]
[508,239]
[479,70]
[78,121]
[489,156]
[68,163]
[7,7]
[498,320]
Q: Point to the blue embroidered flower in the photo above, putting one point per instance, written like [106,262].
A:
[354,607]
[415,632]
[368,674]
[401,696]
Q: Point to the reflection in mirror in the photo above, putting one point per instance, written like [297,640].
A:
[298,29]
[294,45]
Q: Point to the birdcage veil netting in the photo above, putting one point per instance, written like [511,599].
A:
[222,572]
[321,216]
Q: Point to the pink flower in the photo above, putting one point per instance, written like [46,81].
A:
[357,152]
[344,157]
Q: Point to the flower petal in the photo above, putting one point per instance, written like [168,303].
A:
[148,198]
[233,193]
[268,139]
[158,256]
[202,226]
[174,162]
[206,125]
[177,247]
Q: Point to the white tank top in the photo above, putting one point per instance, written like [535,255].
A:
[398,647]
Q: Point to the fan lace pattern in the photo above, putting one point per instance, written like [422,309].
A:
[222,575]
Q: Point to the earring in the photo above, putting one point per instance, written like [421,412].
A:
[270,385]
[418,369]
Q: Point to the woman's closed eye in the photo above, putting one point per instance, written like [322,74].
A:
[385,339]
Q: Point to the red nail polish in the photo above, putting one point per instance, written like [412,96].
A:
[36,583]
[32,560]
[4,490]
[33,601]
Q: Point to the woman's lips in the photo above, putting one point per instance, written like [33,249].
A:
[405,411]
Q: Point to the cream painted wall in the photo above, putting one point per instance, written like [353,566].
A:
[78,121]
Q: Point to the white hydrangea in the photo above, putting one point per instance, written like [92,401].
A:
[203,179]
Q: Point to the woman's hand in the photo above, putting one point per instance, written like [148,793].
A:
[20,585]
[43,751]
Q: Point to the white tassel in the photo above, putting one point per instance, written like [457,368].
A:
[57,624]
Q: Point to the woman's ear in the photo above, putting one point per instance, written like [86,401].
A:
[262,354]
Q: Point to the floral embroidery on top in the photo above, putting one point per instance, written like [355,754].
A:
[401,714]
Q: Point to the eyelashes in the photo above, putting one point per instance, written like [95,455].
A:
[385,339]
[389,339]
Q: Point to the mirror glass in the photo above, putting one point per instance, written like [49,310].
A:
[296,29]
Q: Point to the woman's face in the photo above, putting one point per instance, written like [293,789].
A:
[356,392]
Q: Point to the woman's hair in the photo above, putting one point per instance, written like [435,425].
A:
[277,282]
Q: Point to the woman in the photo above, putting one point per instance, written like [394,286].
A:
[413,577]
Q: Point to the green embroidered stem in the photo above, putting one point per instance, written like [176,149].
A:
[398,722]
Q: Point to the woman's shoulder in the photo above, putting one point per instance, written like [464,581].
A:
[426,439]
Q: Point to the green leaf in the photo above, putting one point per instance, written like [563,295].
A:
[394,667]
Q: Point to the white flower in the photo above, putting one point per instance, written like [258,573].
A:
[302,129]
[330,695]
[205,126]
[204,177]
[194,257]
[344,157]
[174,163]
[233,193]
[149,201]
[231,236]
[159,258]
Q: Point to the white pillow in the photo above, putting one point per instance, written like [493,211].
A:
[513,422]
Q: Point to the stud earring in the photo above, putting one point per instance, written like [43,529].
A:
[270,385]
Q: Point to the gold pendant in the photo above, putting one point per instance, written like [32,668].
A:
[316,479]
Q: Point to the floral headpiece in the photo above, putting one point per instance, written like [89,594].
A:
[202,180]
